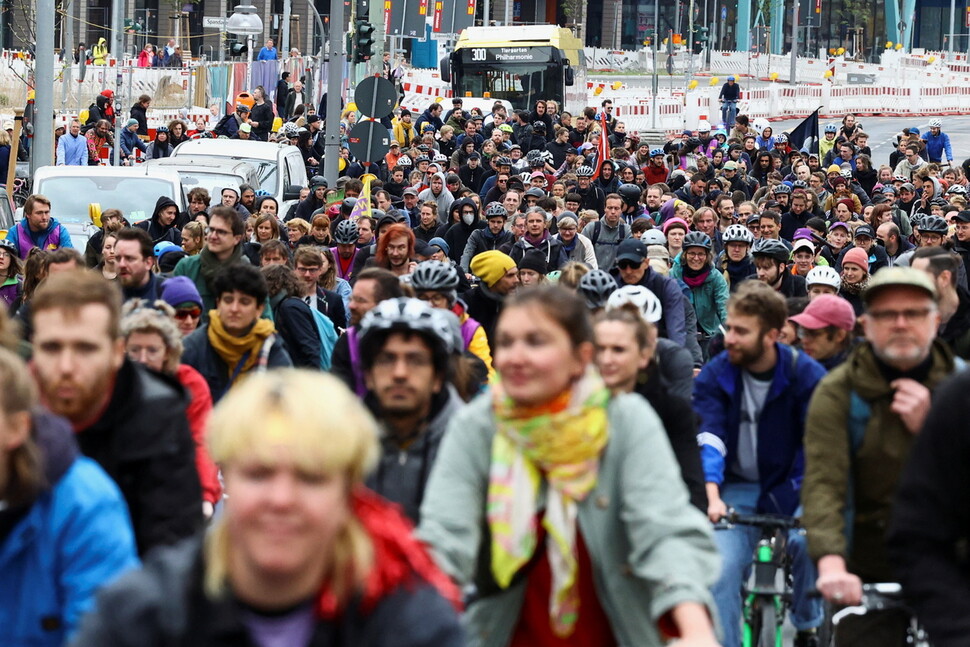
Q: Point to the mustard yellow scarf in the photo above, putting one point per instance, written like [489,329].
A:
[232,349]
[562,442]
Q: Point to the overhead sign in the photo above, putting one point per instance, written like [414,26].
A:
[214,22]
[405,18]
[452,16]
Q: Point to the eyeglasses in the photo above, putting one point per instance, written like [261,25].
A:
[808,333]
[308,270]
[411,360]
[910,315]
[435,299]
[628,265]
[188,313]
[695,254]
[219,233]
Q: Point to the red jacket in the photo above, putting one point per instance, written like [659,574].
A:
[655,174]
[197,413]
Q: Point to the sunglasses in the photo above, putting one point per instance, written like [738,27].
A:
[194,313]
[628,265]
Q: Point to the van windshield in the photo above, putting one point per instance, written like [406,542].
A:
[134,196]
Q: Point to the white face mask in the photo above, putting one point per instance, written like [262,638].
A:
[468,218]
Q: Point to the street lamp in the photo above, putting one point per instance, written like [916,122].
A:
[244,21]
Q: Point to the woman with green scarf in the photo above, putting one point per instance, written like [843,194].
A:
[562,504]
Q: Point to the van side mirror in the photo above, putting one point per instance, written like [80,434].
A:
[292,192]
[568,75]
[445,70]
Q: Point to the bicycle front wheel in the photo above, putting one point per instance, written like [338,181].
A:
[767,619]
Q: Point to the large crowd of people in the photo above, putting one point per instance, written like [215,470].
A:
[497,389]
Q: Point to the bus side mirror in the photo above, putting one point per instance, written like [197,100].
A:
[445,69]
[568,74]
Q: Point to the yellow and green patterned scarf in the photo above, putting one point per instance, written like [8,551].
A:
[562,442]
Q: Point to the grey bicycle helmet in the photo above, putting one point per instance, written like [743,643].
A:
[772,249]
[318,181]
[596,286]
[738,234]
[495,209]
[584,171]
[697,239]
[781,188]
[346,233]
[932,225]
[435,275]
[504,161]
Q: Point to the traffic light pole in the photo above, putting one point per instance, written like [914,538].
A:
[334,78]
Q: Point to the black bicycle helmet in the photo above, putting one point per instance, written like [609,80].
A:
[347,206]
[772,249]
[596,286]
[318,181]
[630,194]
[697,239]
[435,275]
[504,161]
[346,233]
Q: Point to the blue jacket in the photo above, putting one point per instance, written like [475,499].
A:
[130,141]
[72,151]
[75,538]
[267,54]
[936,146]
[781,462]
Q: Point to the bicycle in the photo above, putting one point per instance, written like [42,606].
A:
[729,112]
[878,597]
[768,592]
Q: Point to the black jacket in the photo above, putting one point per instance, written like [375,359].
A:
[164,603]
[263,115]
[295,324]
[484,306]
[157,230]
[332,305]
[143,442]
[200,355]
[679,422]
[931,521]
[139,113]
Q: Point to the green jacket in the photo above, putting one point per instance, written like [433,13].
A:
[709,299]
[650,549]
[848,492]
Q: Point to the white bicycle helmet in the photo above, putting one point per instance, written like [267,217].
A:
[823,275]
[646,301]
[936,123]
[653,237]
[738,234]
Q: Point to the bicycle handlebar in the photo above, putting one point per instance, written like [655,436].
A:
[770,521]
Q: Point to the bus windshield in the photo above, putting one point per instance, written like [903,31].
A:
[519,75]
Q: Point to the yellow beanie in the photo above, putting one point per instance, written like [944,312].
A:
[491,266]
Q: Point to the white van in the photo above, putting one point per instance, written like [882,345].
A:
[279,167]
[132,189]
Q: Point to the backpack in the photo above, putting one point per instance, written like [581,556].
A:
[219,129]
[598,227]
[328,337]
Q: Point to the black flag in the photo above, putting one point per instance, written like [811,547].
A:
[805,136]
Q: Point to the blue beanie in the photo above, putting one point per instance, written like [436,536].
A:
[180,289]
[440,243]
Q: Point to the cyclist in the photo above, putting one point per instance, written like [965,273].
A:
[930,519]
[729,96]
[861,425]
[436,283]
[407,351]
[302,553]
[708,291]
[604,467]
[752,399]
[630,360]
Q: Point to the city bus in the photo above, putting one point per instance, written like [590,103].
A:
[518,64]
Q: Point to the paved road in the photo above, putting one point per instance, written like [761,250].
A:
[883,130]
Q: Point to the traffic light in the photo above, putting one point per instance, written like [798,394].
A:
[701,38]
[363,41]
[236,48]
